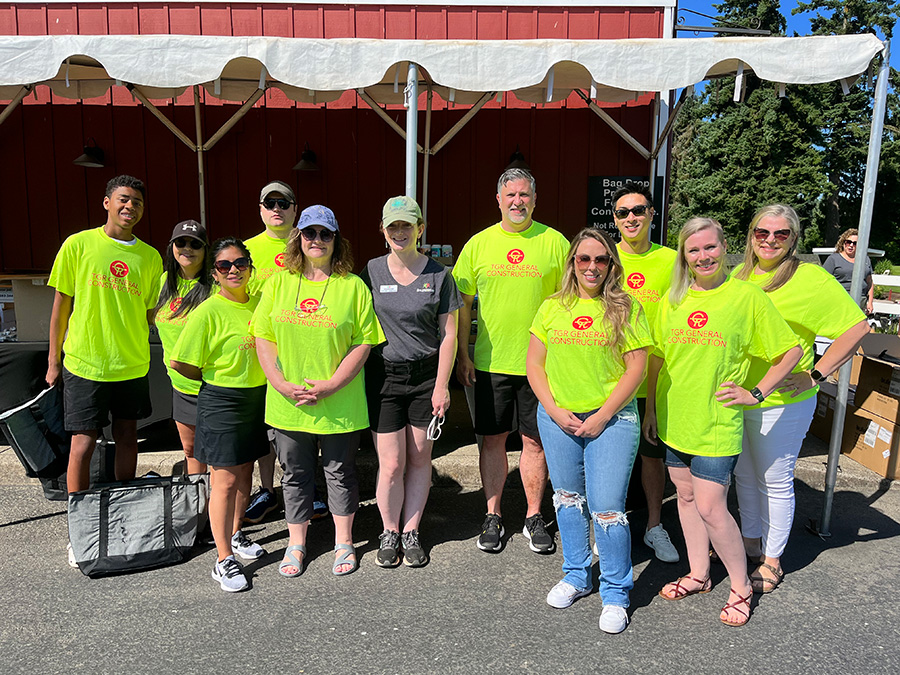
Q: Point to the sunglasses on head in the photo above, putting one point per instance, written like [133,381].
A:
[310,234]
[282,204]
[184,242]
[638,210]
[224,266]
[584,261]
[762,234]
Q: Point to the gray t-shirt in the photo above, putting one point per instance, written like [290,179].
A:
[842,270]
[409,314]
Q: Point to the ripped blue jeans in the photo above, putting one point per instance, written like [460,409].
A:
[590,480]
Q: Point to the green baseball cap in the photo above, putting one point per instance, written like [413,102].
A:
[401,208]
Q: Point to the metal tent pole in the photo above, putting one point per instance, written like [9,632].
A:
[201,178]
[411,94]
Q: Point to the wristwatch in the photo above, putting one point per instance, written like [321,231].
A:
[817,376]
[757,394]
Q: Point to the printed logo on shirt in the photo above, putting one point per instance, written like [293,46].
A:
[426,288]
[515,256]
[310,318]
[279,259]
[118,268]
[174,305]
[697,319]
[247,342]
[309,305]
[583,322]
[636,280]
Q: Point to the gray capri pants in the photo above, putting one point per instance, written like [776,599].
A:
[298,452]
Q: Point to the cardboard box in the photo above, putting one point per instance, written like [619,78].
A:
[873,345]
[872,441]
[823,417]
[878,390]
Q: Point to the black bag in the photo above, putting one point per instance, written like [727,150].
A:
[139,524]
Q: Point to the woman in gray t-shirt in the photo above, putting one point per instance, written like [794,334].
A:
[407,377]
[840,265]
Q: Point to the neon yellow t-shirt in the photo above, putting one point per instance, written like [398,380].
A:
[312,343]
[268,258]
[706,340]
[511,273]
[647,277]
[169,330]
[581,368]
[114,284]
[216,338]
[813,303]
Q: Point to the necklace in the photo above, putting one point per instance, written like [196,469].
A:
[311,305]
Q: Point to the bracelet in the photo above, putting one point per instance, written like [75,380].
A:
[757,394]
[817,376]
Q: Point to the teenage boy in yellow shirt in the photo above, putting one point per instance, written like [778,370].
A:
[105,334]
[647,276]
[512,266]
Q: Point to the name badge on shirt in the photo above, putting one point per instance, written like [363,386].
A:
[388,288]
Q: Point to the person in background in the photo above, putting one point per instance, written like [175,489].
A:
[216,347]
[407,377]
[586,360]
[840,265]
[185,283]
[704,338]
[774,429]
[314,328]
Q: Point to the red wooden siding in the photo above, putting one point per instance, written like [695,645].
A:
[44,197]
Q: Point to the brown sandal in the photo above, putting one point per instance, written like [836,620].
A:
[761,584]
[682,592]
[734,605]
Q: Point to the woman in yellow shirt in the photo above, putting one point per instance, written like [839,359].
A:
[705,336]
[774,429]
[216,347]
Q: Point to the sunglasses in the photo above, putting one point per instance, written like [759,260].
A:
[850,243]
[185,242]
[780,235]
[584,261]
[311,234]
[282,204]
[638,210]
[224,266]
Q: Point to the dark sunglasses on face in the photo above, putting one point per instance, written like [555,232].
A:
[638,210]
[780,235]
[282,204]
[584,261]
[184,242]
[310,234]
[224,266]
[850,243]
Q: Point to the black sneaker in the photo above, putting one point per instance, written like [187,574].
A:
[413,553]
[491,532]
[388,552]
[535,532]
[262,503]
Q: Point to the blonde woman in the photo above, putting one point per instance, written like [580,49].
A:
[840,265]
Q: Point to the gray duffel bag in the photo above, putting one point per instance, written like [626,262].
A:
[134,525]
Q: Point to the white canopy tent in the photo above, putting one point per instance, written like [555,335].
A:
[464,72]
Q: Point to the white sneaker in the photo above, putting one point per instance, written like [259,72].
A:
[658,539]
[70,554]
[229,575]
[245,548]
[613,619]
[564,594]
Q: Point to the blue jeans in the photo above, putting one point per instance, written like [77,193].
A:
[590,480]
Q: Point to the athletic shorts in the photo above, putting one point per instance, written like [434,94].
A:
[88,404]
[184,408]
[502,399]
[400,393]
[645,448]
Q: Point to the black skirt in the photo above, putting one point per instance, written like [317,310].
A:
[184,407]
[231,426]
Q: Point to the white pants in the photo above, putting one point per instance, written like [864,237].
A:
[764,475]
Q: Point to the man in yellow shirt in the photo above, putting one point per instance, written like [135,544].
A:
[278,211]
[105,334]
[647,276]
[512,266]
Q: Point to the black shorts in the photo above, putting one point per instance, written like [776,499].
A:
[399,393]
[88,403]
[646,449]
[500,400]
[231,428]
[184,408]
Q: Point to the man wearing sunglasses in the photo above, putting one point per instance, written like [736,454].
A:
[647,275]
[105,334]
[278,211]
[512,266]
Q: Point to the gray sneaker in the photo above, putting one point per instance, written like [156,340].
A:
[245,548]
[230,575]
[658,539]
[389,549]
[413,553]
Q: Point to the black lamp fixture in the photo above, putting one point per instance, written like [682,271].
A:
[91,158]
[307,160]
[517,160]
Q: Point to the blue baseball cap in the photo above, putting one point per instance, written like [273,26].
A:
[318,215]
